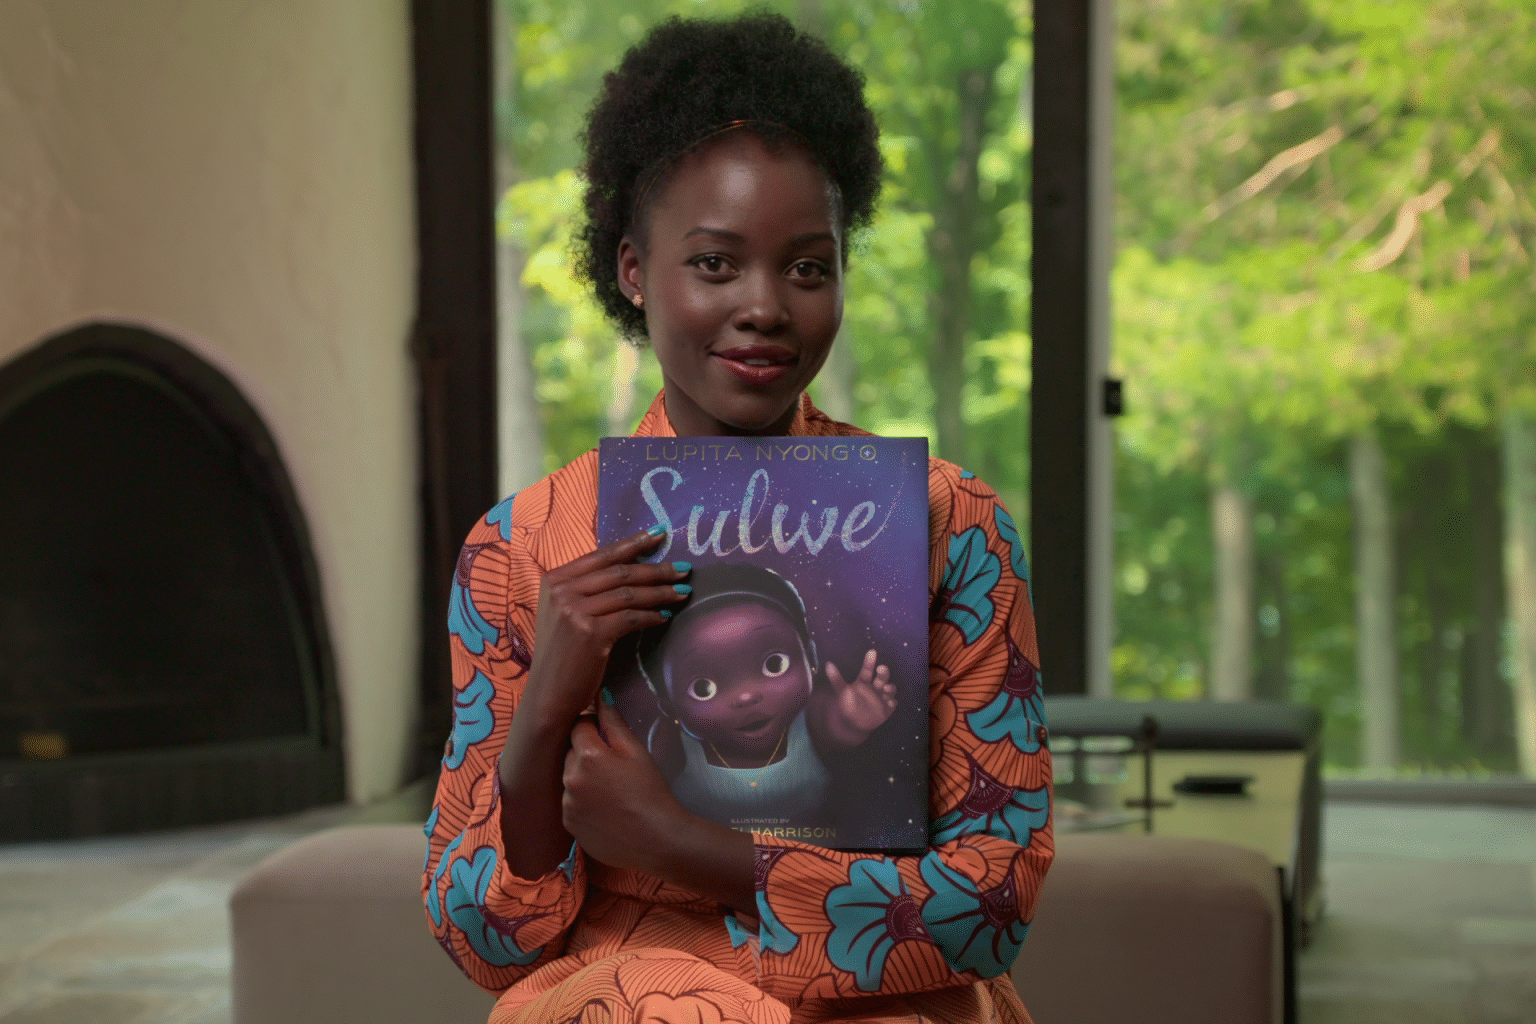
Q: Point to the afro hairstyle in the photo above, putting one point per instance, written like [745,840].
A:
[684,81]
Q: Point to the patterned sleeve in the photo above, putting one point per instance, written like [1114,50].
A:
[496,927]
[835,924]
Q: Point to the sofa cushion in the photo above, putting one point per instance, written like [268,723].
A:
[1154,930]
[1137,928]
[331,930]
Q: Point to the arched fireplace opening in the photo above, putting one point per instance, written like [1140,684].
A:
[163,652]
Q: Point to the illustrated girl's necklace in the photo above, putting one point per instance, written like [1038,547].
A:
[765,764]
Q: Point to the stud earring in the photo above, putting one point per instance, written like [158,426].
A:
[638,300]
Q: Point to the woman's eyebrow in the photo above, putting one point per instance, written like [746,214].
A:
[733,236]
[729,236]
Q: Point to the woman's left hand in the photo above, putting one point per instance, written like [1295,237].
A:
[617,805]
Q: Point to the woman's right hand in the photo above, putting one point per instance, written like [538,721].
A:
[585,607]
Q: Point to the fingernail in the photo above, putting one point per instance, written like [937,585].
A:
[657,530]
[607,696]
[682,588]
[666,613]
[682,566]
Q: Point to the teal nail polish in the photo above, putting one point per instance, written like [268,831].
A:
[607,696]
[666,613]
[683,566]
[682,588]
[657,530]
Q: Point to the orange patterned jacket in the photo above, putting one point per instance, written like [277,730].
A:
[831,924]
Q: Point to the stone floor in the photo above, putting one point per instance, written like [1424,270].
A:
[1431,919]
[130,930]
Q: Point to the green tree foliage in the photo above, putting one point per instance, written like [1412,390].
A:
[1324,217]
[949,247]
[1325,224]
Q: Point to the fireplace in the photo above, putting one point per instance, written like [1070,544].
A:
[163,651]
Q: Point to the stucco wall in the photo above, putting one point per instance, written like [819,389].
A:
[236,174]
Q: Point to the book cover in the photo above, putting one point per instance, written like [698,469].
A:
[789,694]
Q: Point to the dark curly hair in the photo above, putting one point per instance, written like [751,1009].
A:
[686,79]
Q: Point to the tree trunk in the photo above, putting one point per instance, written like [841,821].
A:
[1520,576]
[1272,674]
[1425,525]
[1486,708]
[1375,603]
[952,246]
[1232,636]
[621,402]
[519,427]
[520,430]
[836,381]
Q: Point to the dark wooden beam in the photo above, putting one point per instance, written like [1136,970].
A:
[454,341]
[1060,267]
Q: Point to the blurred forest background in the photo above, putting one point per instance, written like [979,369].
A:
[1324,313]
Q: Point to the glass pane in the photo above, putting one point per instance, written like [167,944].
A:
[1323,312]
[933,340]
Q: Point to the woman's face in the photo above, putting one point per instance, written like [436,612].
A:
[737,676]
[740,267]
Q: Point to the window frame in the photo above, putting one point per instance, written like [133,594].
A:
[454,340]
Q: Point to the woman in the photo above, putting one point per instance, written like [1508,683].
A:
[727,163]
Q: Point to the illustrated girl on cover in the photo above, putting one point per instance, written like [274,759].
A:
[729,167]
[743,726]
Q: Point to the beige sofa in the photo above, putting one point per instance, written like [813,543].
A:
[1131,929]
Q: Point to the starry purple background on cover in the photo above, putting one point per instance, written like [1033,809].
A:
[874,598]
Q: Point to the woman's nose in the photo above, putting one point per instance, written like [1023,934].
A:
[762,308]
[746,695]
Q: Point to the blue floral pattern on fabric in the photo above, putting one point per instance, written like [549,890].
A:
[991,807]
[428,829]
[464,619]
[869,916]
[773,936]
[1017,713]
[568,866]
[472,718]
[434,907]
[501,516]
[975,930]
[964,597]
[469,882]
[1006,717]
[1007,530]
[739,935]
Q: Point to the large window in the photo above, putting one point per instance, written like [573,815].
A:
[1324,312]
[934,337]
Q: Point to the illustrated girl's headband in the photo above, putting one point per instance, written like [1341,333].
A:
[713,584]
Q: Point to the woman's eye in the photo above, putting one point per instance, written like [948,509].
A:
[703,689]
[776,664]
[808,270]
[711,264]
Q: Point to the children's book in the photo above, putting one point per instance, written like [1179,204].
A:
[789,694]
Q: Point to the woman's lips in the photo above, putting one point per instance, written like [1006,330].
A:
[757,364]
